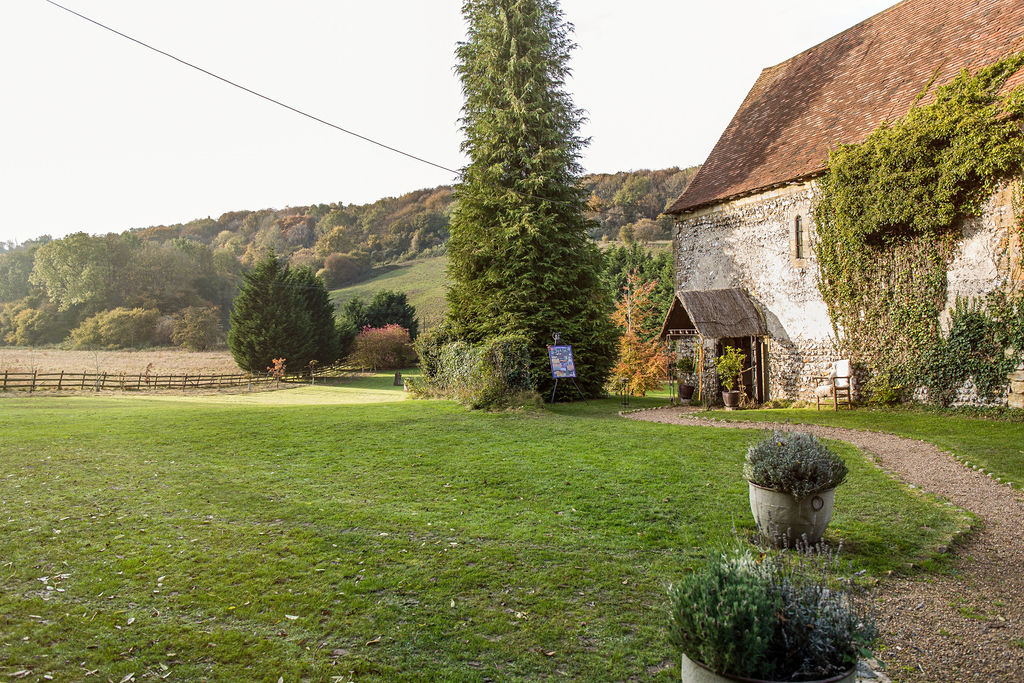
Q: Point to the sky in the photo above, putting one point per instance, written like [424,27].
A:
[98,134]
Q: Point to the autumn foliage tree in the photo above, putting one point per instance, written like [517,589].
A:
[383,348]
[642,362]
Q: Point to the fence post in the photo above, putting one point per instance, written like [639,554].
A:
[184,382]
[33,387]
[82,385]
[5,380]
[60,381]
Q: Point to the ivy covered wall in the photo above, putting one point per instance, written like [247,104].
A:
[892,217]
[916,267]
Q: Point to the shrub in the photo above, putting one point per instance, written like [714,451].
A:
[782,618]
[429,347]
[456,374]
[795,463]
[883,390]
[118,328]
[723,615]
[819,632]
[777,403]
[340,269]
[197,328]
[729,366]
[489,375]
[685,365]
[983,344]
[163,330]
[383,348]
[23,325]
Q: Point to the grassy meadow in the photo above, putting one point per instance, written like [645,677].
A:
[166,361]
[345,532]
[422,280]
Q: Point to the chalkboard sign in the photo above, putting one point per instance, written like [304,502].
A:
[562,364]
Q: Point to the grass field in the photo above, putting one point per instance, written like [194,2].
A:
[307,535]
[423,281]
[995,445]
[167,361]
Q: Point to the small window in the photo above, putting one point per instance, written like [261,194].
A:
[798,229]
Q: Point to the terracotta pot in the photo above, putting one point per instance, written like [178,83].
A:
[784,520]
[731,399]
[695,672]
[685,392]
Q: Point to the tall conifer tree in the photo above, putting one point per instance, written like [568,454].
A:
[268,321]
[519,256]
[310,292]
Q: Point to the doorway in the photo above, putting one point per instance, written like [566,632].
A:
[755,376]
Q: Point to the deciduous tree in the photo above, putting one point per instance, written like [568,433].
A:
[642,364]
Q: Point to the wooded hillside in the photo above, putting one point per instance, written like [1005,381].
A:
[149,286]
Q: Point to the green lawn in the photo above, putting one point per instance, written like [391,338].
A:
[304,536]
[995,445]
[423,281]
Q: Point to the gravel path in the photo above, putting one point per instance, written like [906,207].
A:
[964,625]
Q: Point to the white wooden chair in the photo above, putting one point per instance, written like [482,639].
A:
[838,384]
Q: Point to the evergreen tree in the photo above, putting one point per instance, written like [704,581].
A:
[268,322]
[387,307]
[354,311]
[620,262]
[519,257]
[311,293]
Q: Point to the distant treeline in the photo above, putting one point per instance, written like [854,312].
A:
[173,284]
[629,205]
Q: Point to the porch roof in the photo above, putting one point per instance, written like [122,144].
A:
[714,314]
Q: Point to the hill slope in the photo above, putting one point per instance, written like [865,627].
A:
[422,280]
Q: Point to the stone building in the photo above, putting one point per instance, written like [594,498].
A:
[746,219]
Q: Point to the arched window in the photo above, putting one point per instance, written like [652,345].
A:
[798,229]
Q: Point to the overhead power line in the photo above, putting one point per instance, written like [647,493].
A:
[253,92]
[288,106]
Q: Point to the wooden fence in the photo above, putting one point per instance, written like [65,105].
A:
[59,381]
[97,381]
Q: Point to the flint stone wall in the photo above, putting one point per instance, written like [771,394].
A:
[750,243]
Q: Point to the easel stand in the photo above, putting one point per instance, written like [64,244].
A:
[555,388]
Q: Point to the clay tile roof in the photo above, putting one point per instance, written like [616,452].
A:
[842,89]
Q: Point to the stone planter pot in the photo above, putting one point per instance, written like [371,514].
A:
[784,520]
[695,672]
[685,392]
[731,399]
